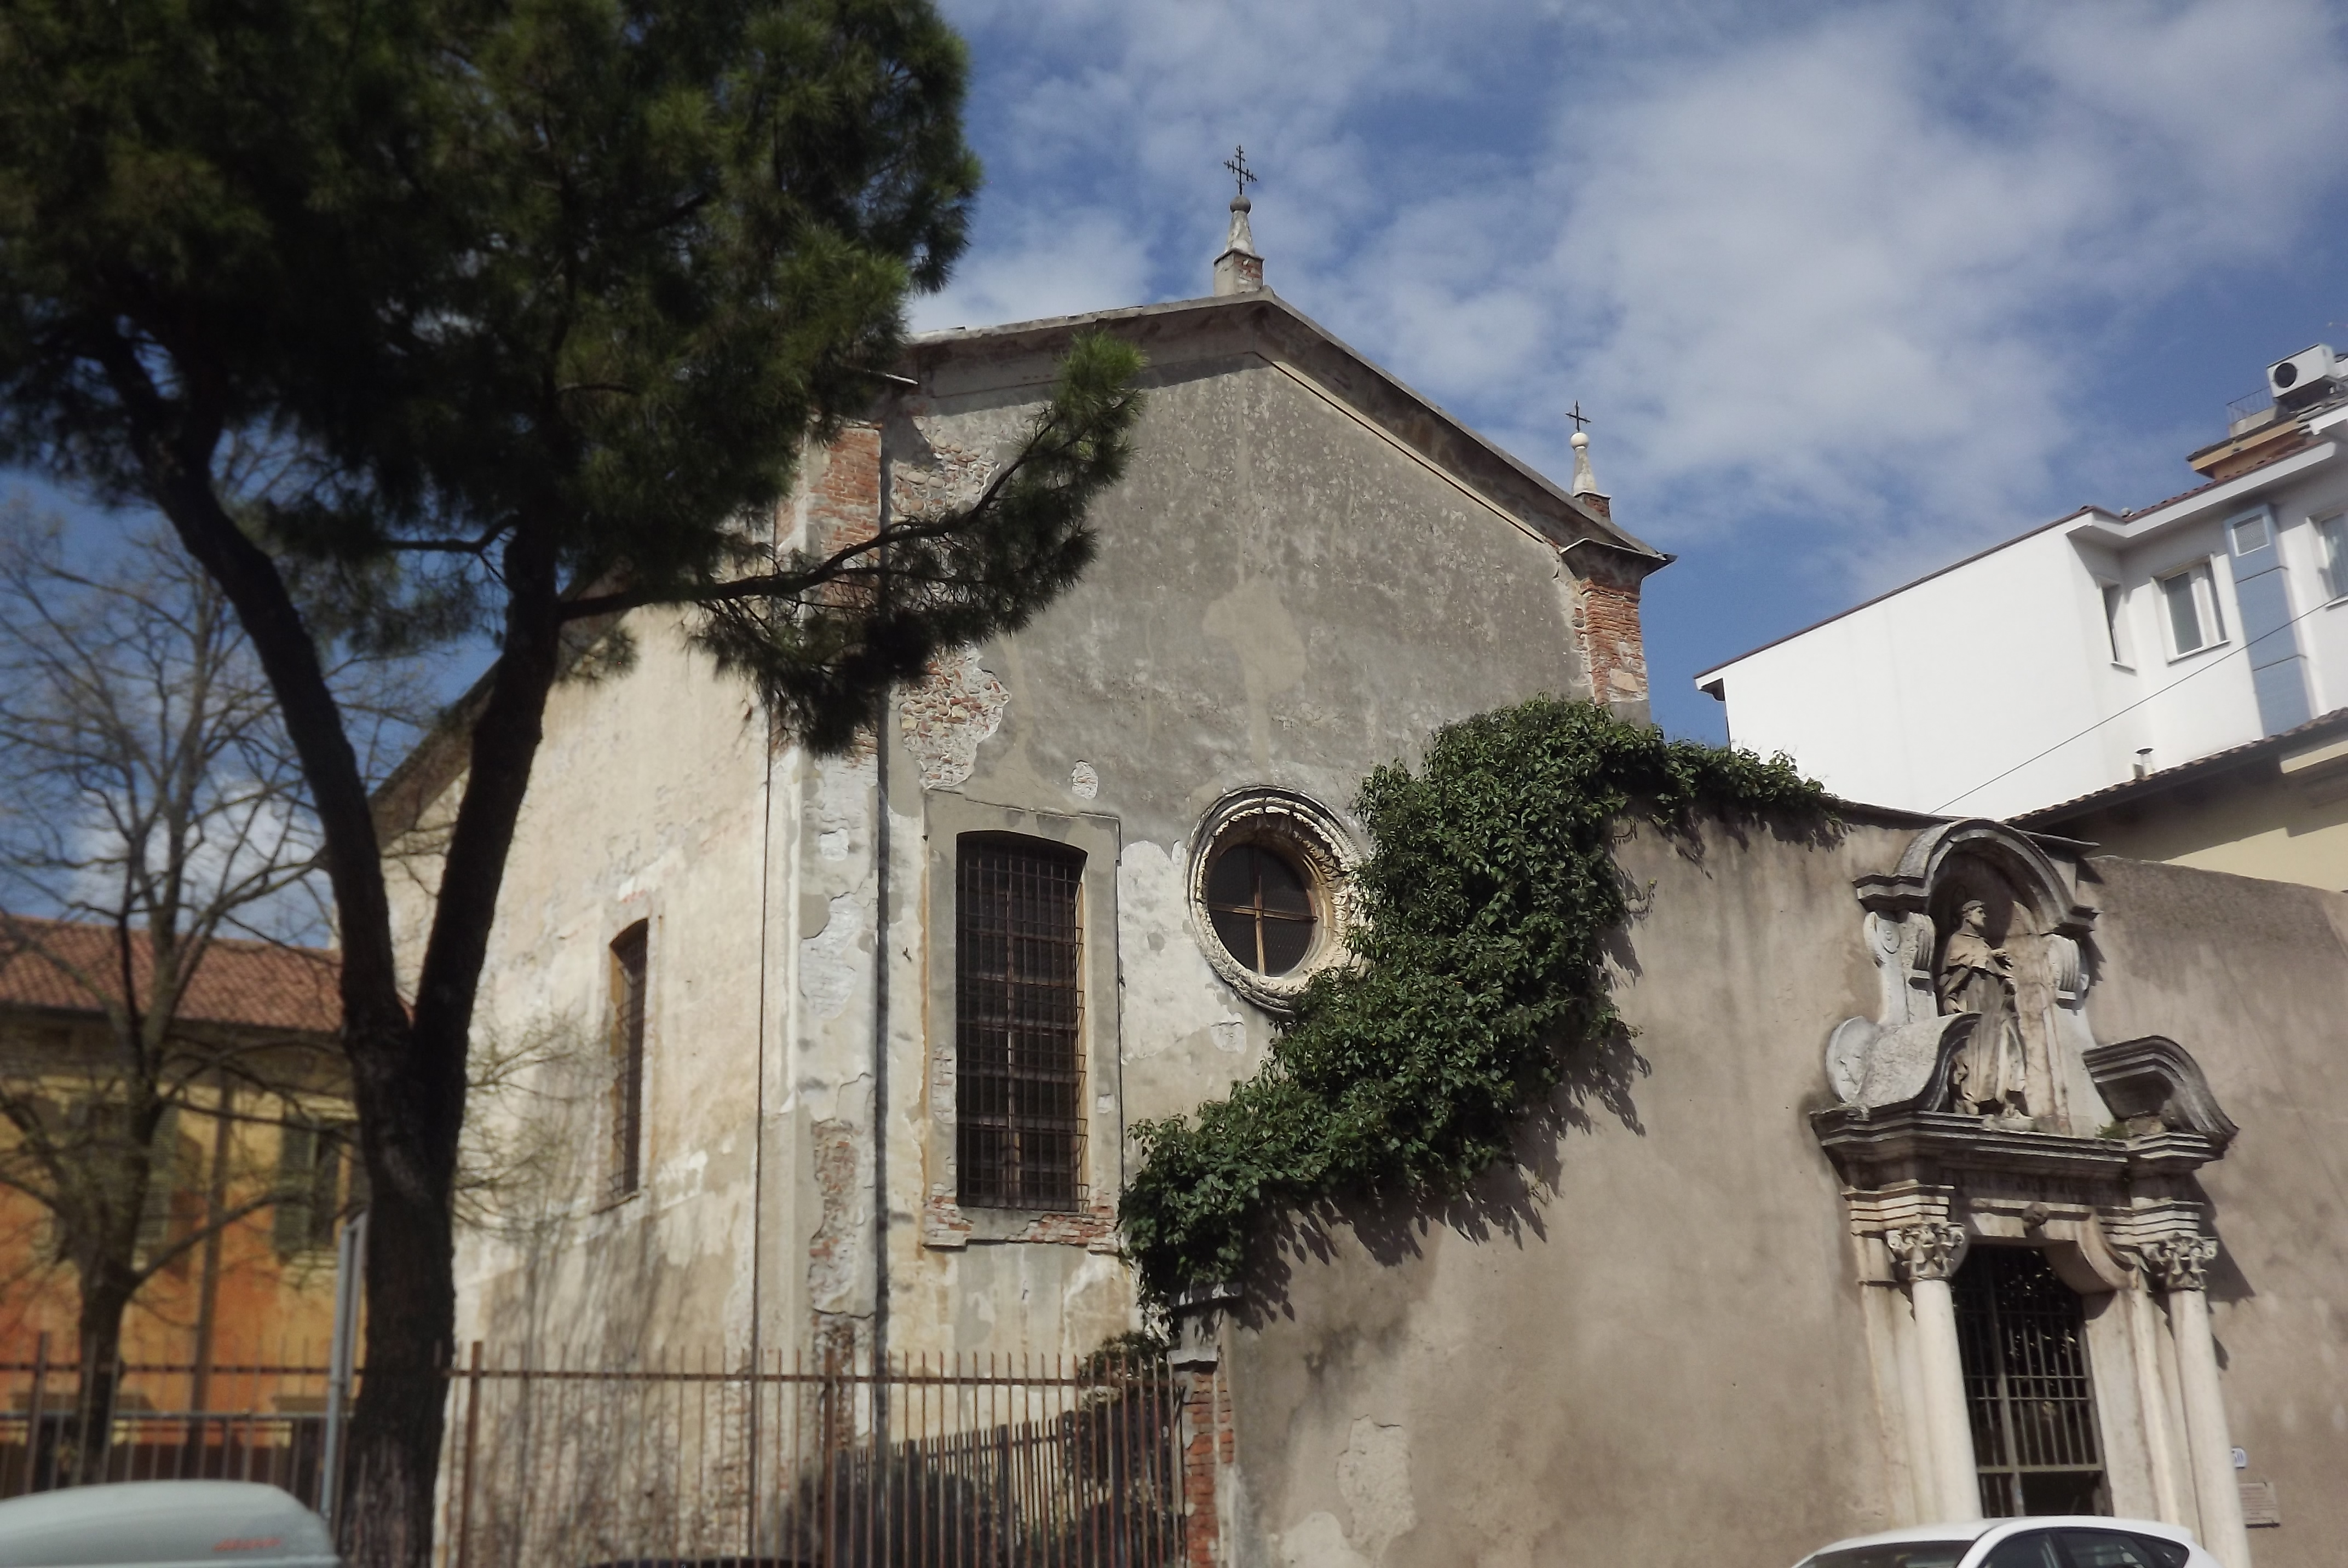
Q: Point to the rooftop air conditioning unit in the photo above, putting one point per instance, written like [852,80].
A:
[2302,378]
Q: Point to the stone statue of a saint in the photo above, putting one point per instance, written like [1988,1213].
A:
[1991,1075]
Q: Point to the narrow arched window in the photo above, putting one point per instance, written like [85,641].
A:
[1018,1023]
[629,950]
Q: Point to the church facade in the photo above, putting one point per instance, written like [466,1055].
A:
[801,1053]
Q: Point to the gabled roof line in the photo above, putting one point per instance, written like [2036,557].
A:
[1053,325]
[2128,519]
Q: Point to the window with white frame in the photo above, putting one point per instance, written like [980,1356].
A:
[2116,632]
[2189,599]
[2332,538]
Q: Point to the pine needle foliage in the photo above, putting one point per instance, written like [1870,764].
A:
[1485,905]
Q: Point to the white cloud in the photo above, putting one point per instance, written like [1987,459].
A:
[1855,268]
[1056,263]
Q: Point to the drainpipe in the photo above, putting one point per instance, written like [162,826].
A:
[350,1290]
[215,1204]
[758,1116]
[880,973]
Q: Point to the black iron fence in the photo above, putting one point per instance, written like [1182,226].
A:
[950,1462]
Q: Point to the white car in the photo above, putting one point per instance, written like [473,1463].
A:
[2068,1541]
[162,1522]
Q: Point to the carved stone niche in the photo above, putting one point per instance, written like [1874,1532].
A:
[2101,1155]
[2034,930]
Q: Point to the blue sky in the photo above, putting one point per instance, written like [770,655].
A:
[1848,290]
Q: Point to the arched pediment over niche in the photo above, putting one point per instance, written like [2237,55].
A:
[1927,862]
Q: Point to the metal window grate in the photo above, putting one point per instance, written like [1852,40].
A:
[2023,1337]
[1019,1009]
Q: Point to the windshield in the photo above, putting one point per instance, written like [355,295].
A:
[1893,1555]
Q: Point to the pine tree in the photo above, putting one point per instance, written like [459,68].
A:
[526,307]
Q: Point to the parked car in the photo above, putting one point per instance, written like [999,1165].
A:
[162,1522]
[2075,1541]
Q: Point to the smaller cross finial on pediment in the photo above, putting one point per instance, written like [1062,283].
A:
[1579,419]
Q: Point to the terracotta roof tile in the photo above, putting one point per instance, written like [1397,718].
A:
[258,985]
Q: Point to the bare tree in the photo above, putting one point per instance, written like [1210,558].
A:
[151,810]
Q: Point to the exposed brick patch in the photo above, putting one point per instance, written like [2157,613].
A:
[946,717]
[1092,1228]
[834,1253]
[843,503]
[1209,1446]
[1606,633]
[945,1225]
[937,478]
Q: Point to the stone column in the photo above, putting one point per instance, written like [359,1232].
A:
[2179,1262]
[1928,1255]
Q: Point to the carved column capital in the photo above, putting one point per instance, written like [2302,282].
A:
[1929,1251]
[2180,1262]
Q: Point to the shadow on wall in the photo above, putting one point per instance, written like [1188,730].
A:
[1506,1203]
[574,1278]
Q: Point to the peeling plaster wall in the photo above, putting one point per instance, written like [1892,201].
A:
[1660,1352]
[1282,598]
[616,831]
[1286,594]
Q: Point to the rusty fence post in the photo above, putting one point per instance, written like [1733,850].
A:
[465,1485]
[33,1416]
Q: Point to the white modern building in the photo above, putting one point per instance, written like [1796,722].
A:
[2093,650]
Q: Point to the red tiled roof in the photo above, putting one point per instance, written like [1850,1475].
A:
[259,985]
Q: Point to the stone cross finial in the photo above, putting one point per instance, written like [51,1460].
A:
[1239,270]
[1238,164]
[1585,483]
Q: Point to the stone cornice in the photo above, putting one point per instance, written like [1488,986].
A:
[1854,1136]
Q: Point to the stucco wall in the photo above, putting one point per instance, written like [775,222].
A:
[1285,596]
[1655,1356]
[1660,1354]
[2251,823]
[2252,977]
[1288,594]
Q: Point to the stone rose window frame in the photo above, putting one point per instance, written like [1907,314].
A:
[1311,838]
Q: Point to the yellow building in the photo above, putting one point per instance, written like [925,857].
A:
[2276,807]
[257,1026]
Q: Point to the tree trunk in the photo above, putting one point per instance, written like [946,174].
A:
[105,1292]
[410,1084]
[407,1070]
[411,1297]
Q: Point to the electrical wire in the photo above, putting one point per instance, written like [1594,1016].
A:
[2140,701]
